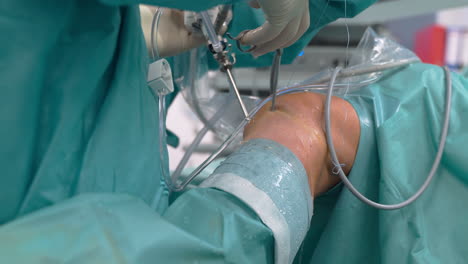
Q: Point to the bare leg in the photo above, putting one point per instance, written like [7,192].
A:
[298,124]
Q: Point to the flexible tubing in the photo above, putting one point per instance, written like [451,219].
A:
[194,98]
[210,31]
[435,165]
[244,122]
[155,24]
[161,104]
[188,153]
[209,125]
[360,71]
[162,136]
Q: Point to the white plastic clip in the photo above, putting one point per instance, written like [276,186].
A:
[160,77]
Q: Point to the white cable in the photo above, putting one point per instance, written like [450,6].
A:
[199,137]
[154,24]
[435,165]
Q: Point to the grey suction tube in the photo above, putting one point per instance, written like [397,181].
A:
[435,165]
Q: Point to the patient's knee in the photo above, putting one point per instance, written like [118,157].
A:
[298,124]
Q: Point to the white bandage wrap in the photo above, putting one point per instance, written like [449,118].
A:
[268,178]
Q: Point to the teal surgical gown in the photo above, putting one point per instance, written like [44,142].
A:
[81,177]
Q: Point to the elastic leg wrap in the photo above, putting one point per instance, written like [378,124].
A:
[272,181]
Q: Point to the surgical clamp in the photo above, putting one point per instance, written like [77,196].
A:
[220,53]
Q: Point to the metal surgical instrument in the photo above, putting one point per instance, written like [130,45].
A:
[274,77]
[220,50]
[290,90]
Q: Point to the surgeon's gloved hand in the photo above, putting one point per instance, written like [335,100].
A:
[286,21]
[170,36]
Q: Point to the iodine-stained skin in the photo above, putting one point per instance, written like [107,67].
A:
[298,124]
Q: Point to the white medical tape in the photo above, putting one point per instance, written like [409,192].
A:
[261,204]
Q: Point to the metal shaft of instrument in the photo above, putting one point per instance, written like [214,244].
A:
[221,18]
[233,85]
[274,77]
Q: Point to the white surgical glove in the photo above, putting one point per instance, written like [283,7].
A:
[286,21]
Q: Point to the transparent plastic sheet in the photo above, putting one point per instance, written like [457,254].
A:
[372,59]
[232,116]
[218,111]
[192,77]
[372,52]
